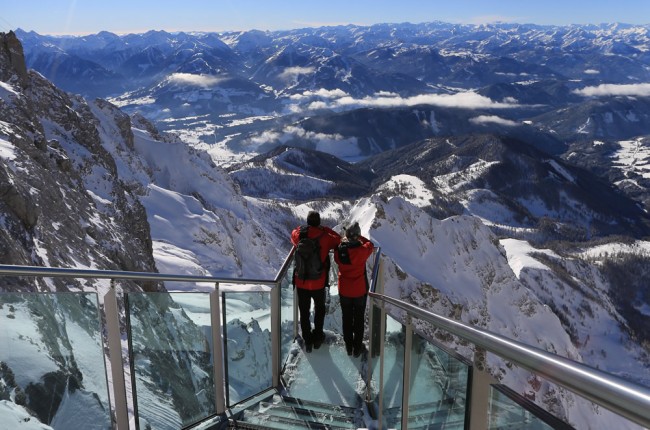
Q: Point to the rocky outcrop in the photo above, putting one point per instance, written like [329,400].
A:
[11,53]
[18,201]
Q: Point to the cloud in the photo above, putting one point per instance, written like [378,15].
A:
[338,100]
[294,72]
[322,141]
[492,119]
[320,93]
[604,90]
[265,137]
[468,100]
[204,81]
[591,72]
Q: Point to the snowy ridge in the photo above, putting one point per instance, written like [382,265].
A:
[456,267]
[409,187]
[299,174]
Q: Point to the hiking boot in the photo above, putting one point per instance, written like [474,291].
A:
[348,348]
[308,346]
[318,339]
[358,350]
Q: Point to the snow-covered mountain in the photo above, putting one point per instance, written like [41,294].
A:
[460,171]
[300,174]
[223,88]
[433,53]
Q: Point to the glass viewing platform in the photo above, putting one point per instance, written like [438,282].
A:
[231,357]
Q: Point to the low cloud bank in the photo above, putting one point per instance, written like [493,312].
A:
[492,119]
[604,90]
[338,100]
[332,143]
[294,72]
[205,81]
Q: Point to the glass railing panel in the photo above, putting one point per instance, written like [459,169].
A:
[507,413]
[171,358]
[52,361]
[392,384]
[286,314]
[438,389]
[247,344]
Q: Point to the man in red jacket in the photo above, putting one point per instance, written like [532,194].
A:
[351,256]
[308,289]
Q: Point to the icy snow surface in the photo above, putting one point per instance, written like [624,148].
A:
[7,150]
[326,375]
[519,251]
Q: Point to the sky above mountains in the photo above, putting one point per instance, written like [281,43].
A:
[74,17]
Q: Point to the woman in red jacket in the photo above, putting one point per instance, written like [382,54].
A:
[351,256]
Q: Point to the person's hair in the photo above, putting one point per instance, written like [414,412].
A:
[313,219]
[353,232]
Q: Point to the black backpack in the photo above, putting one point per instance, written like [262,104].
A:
[307,256]
[344,254]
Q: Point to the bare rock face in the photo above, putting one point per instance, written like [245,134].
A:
[18,201]
[12,54]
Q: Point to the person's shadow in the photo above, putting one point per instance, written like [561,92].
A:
[339,389]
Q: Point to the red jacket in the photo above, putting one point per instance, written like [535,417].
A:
[352,276]
[328,240]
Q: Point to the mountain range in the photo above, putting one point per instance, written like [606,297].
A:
[356,91]
[501,168]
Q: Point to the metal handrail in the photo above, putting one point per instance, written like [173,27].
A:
[375,270]
[47,272]
[285,265]
[623,397]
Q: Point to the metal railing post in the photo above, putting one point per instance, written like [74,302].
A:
[479,401]
[276,338]
[217,350]
[382,338]
[115,354]
[408,344]
[377,287]
[371,329]
[374,330]
[295,315]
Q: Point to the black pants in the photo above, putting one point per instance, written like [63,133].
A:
[354,315]
[304,306]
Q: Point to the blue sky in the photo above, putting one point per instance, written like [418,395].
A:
[136,16]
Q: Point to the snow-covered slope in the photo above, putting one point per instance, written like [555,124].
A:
[458,268]
[194,208]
